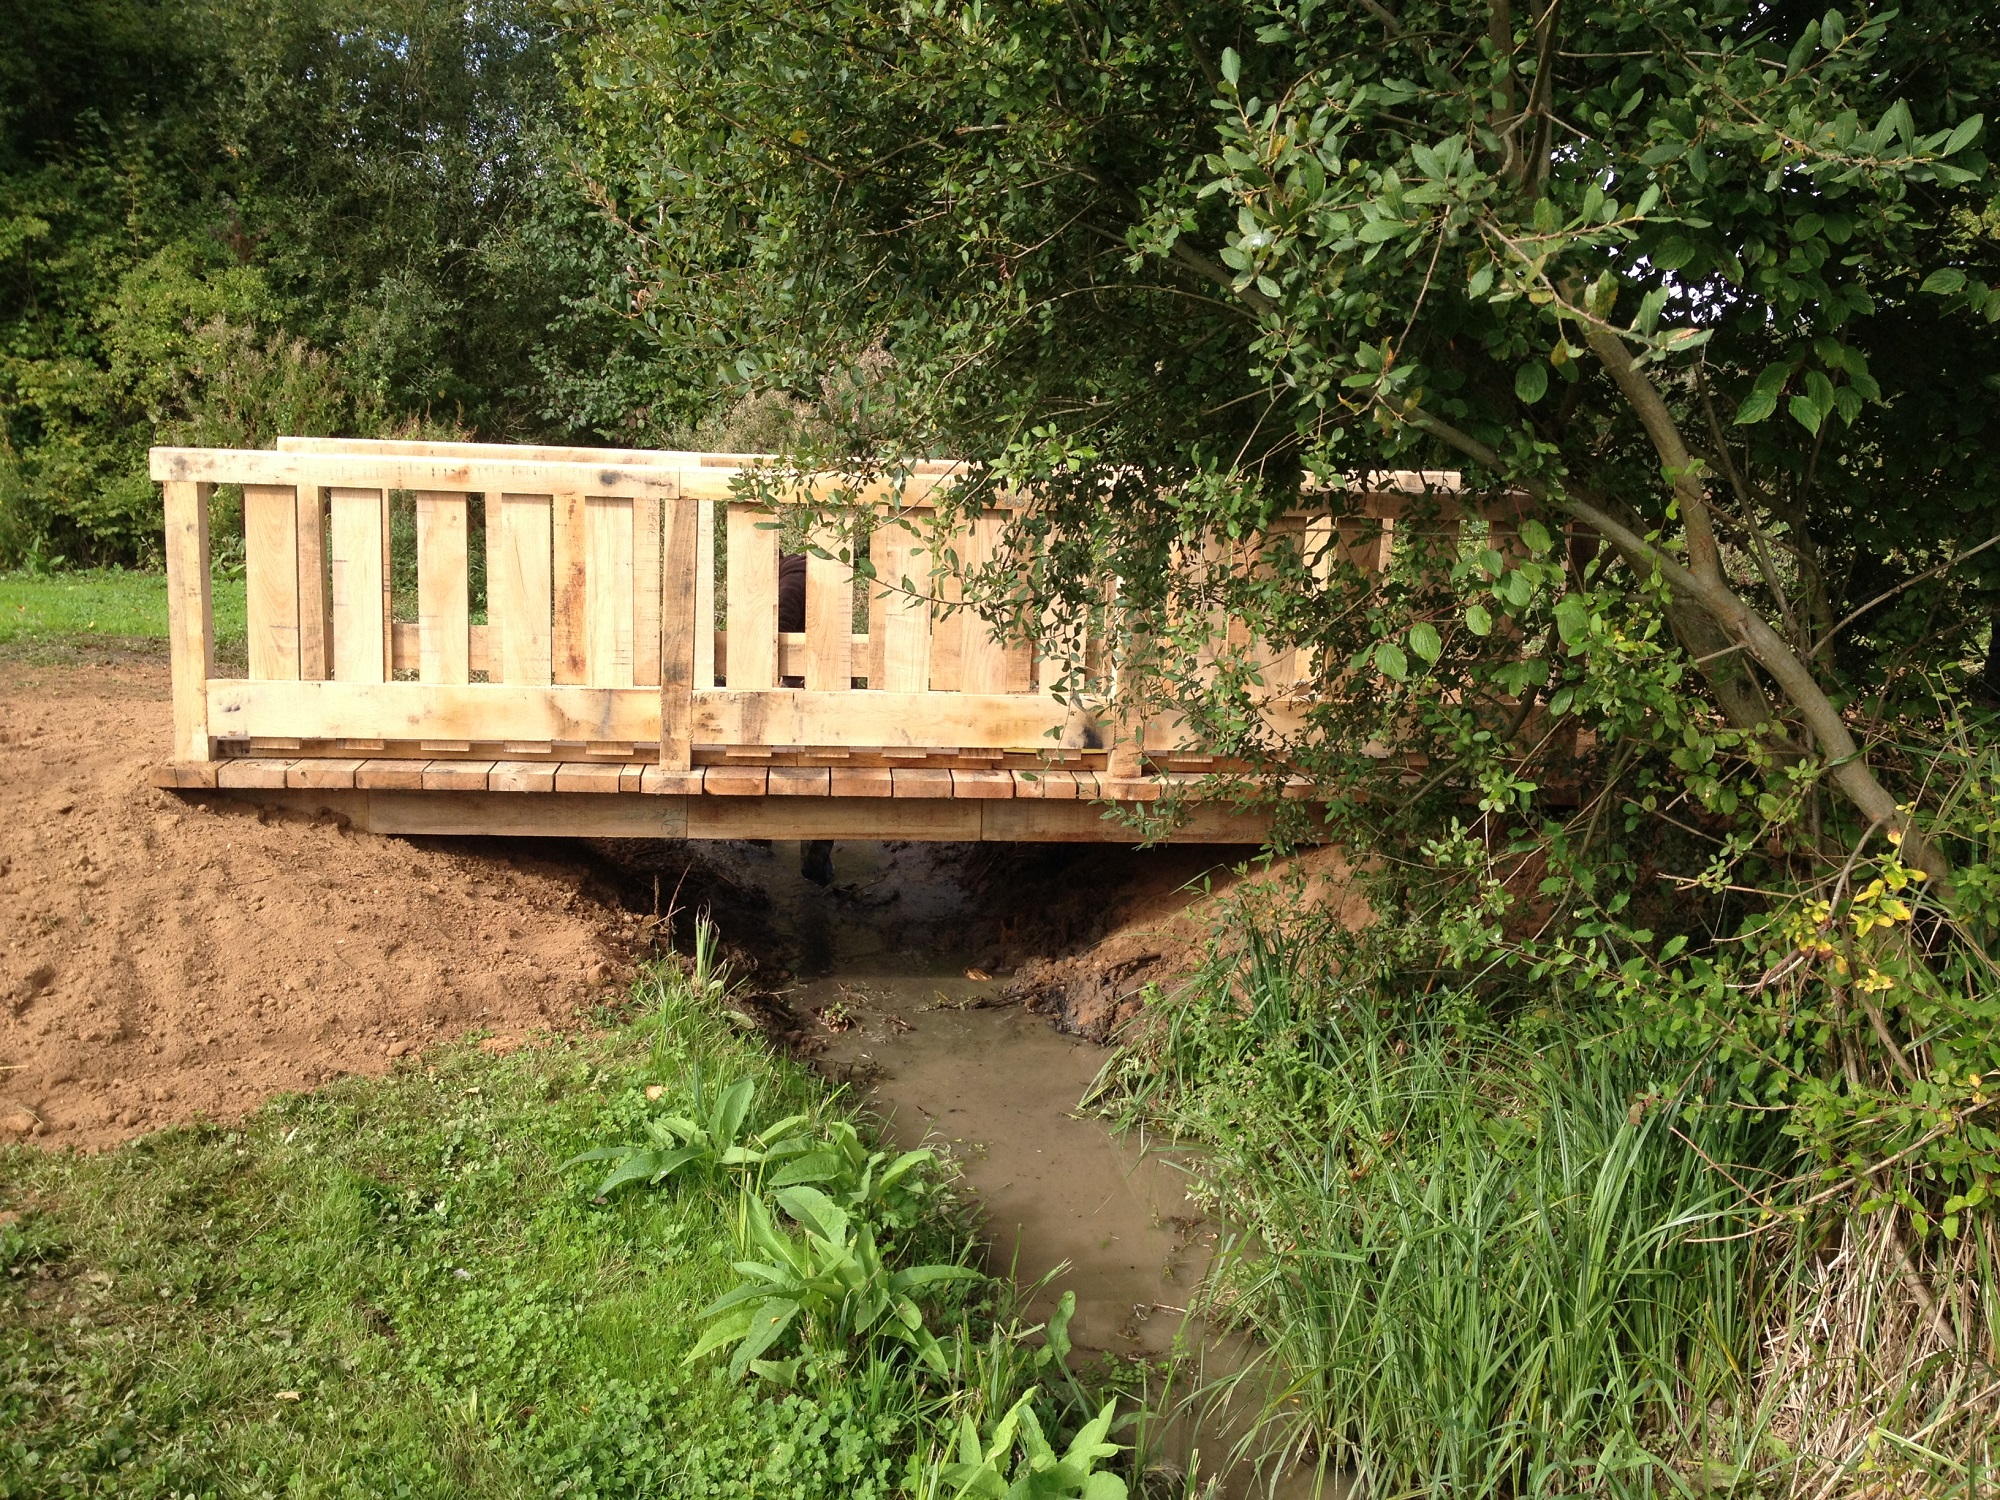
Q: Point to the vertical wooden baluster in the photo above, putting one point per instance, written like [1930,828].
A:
[1279,666]
[646,591]
[190,615]
[444,614]
[829,625]
[360,585]
[567,546]
[902,620]
[704,593]
[518,592]
[952,551]
[271,586]
[681,629]
[753,600]
[607,596]
[315,590]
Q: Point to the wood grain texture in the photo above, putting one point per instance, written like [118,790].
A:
[982,784]
[190,617]
[609,612]
[646,592]
[899,610]
[444,616]
[568,567]
[660,781]
[752,599]
[1002,721]
[518,585]
[734,781]
[254,771]
[522,776]
[456,775]
[479,713]
[829,665]
[315,586]
[832,818]
[680,631]
[704,593]
[985,663]
[390,775]
[798,781]
[574,776]
[323,772]
[360,536]
[862,781]
[271,580]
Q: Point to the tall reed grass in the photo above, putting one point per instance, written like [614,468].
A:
[1491,1258]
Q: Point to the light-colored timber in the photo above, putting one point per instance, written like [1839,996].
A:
[617,687]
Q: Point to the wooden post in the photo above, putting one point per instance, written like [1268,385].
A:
[679,623]
[271,567]
[190,615]
[444,636]
[704,594]
[315,597]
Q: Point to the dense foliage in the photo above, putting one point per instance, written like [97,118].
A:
[220,222]
[1667,727]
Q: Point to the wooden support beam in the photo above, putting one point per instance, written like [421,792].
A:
[271,580]
[190,616]
[444,631]
[1001,721]
[474,712]
[681,627]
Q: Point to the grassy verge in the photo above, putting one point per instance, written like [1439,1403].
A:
[390,1288]
[56,616]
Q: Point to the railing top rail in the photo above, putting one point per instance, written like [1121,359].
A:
[506,472]
[546,453]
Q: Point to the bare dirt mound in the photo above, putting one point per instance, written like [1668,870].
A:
[1156,930]
[165,960]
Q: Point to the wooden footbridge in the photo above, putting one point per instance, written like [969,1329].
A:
[617,685]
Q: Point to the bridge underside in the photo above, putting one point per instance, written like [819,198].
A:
[640,800]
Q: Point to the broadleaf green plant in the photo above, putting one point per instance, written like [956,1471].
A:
[711,1138]
[832,1276]
[981,1470]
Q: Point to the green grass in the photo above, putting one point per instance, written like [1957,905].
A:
[388,1288]
[102,607]
[1487,1259]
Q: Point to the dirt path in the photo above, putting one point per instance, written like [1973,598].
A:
[161,961]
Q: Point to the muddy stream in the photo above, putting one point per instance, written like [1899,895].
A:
[881,970]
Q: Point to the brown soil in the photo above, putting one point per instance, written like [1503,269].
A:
[166,960]
[1155,931]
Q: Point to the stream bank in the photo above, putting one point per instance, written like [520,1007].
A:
[936,982]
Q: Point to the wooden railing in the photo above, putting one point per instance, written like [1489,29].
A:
[606,635]
[600,635]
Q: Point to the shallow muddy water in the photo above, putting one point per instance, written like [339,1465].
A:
[891,1006]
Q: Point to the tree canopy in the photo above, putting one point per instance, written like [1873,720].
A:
[1710,285]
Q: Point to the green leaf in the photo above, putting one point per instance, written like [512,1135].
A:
[1572,619]
[1944,282]
[1802,48]
[1531,381]
[1390,661]
[1477,620]
[1232,66]
[1536,536]
[1424,640]
[1962,135]
[1805,411]
[1756,406]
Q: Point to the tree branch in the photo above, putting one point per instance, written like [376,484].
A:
[1846,765]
